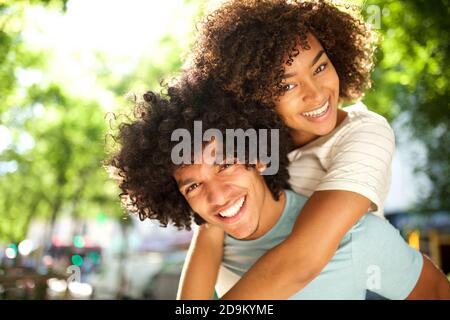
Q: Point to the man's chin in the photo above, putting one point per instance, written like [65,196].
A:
[239,236]
[244,236]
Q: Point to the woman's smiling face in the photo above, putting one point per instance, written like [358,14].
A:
[309,105]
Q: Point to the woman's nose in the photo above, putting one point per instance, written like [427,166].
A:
[312,93]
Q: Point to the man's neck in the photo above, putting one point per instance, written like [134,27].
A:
[272,211]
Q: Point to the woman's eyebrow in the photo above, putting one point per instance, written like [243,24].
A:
[317,57]
[288,75]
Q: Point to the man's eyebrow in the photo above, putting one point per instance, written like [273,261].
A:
[316,58]
[184,182]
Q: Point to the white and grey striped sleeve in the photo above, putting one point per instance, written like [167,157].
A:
[361,162]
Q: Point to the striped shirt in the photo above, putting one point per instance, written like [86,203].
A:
[356,156]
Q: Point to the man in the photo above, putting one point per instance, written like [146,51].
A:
[247,213]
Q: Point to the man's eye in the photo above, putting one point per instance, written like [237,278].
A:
[192,187]
[225,166]
[320,68]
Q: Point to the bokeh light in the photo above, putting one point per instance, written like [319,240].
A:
[78,241]
[77,260]
[10,253]
[25,247]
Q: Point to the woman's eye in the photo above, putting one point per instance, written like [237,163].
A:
[321,68]
[192,187]
[287,87]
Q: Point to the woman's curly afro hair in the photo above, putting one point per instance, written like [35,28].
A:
[245,43]
[142,165]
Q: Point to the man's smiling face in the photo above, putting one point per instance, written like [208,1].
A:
[229,196]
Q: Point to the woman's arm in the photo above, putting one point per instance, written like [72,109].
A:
[358,176]
[287,268]
[201,267]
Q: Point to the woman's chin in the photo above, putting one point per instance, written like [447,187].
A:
[325,128]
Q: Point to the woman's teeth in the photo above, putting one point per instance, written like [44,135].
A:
[316,113]
[234,209]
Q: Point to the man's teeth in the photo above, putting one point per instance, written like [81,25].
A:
[234,209]
[316,113]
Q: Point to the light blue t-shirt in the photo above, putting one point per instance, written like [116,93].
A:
[371,256]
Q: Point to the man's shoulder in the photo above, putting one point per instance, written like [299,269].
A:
[372,226]
[294,201]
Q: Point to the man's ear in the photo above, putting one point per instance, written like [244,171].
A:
[261,166]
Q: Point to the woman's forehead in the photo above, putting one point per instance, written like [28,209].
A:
[306,55]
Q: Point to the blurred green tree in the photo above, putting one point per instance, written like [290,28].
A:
[60,171]
[52,163]
[411,78]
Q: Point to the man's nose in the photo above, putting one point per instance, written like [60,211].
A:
[217,193]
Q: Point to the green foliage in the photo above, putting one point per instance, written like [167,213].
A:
[412,77]
[62,170]
[57,141]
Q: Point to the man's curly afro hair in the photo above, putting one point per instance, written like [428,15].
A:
[143,165]
[245,43]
